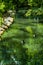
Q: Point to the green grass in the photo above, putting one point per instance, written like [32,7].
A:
[13,36]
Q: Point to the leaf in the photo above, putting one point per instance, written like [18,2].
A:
[2,5]
[29,29]
[28,13]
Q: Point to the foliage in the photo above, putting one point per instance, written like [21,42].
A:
[22,43]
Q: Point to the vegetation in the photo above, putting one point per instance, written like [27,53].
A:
[22,43]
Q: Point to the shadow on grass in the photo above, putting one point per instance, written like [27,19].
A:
[12,44]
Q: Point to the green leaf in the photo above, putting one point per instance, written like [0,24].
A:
[2,5]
